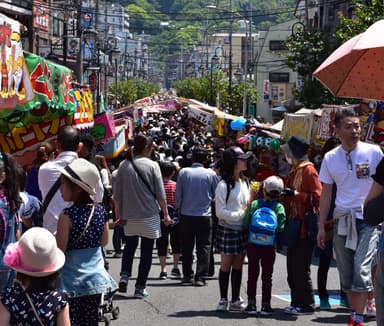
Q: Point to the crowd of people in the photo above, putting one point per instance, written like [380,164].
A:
[177,185]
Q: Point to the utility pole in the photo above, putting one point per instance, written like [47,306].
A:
[65,37]
[79,58]
[230,53]
[245,70]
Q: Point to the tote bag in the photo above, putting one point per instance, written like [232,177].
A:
[291,232]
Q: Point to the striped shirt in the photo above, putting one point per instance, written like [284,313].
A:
[170,192]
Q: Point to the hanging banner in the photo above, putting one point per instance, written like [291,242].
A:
[326,126]
[266,90]
[83,117]
[200,115]
[15,86]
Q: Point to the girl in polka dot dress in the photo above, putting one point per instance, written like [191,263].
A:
[82,231]
[33,299]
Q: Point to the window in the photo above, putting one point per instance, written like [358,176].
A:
[277,46]
[279,77]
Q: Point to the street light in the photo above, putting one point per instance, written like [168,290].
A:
[90,37]
[87,33]
[114,57]
[214,61]
[230,10]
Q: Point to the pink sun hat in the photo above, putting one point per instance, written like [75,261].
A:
[35,254]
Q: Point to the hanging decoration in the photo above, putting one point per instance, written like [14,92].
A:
[15,86]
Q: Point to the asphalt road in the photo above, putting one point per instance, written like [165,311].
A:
[169,303]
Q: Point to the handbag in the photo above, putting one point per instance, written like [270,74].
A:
[291,232]
[311,218]
[373,211]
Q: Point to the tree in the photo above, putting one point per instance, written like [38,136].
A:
[307,49]
[200,89]
[365,14]
[128,91]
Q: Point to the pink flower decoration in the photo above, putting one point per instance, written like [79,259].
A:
[12,255]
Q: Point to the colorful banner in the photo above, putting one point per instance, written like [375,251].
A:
[22,139]
[83,117]
[52,84]
[15,86]
[115,145]
[104,127]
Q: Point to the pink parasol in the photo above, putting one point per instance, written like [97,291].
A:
[356,68]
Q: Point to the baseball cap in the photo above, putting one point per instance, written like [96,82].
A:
[239,153]
[273,185]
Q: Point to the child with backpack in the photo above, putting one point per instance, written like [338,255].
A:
[265,218]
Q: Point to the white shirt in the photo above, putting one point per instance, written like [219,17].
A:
[48,174]
[231,213]
[354,180]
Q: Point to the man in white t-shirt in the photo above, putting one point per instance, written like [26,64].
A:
[350,167]
[68,144]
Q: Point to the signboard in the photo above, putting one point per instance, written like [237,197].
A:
[73,46]
[41,15]
[266,90]
[200,115]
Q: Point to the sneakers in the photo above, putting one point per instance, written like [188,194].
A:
[176,272]
[267,310]
[140,293]
[370,309]
[324,304]
[187,280]
[344,302]
[238,305]
[352,322]
[222,305]
[251,309]
[163,276]
[123,283]
[200,282]
[297,311]
[117,254]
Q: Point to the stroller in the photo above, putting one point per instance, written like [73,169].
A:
[106,309]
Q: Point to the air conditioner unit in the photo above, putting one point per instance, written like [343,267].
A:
[120,68]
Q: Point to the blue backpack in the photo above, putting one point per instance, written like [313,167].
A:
[263,225]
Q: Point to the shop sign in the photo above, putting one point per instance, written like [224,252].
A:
[40,15]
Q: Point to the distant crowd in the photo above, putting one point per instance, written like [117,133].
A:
[180,187]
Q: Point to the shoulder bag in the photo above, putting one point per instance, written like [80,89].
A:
[311,218]
[48,199]
[143,179]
